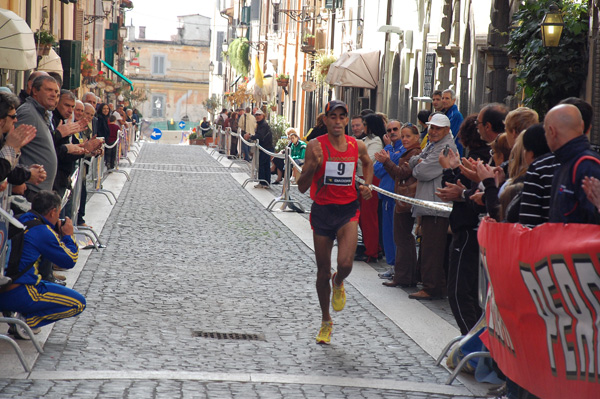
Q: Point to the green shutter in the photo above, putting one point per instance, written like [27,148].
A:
[329,4]
[111,38]
[246,15]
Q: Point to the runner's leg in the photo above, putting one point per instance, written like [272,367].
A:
[323,246]
[347,237]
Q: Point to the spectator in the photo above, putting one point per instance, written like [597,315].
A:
[452,112]
[90,98]
[27,91]
[136,117]
[369,209]
[265,140]
[58,77]
[569,204]
[103,113]
[423,118]
[393,145]
[318,130]
[111,153]
[436,101]
[248,124]
[12,140]
[36,111]
[434,224]
[405,268]
[357,125]
[204,126]
[298,149]
[233,124]
[366,112]
[537,187]
[463,265]
[37,302]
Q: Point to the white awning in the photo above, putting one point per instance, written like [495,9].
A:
[50,63]
[358,68]
[17,47]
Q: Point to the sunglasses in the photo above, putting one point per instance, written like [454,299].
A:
[408,125]
[394,129]
[13,116]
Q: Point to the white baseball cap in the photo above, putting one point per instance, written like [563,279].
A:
[439,120]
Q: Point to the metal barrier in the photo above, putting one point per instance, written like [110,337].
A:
[116,168]
[285,198]
[98,169]
[215,134]
[238,158]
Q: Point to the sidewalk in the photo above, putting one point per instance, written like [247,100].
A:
[190,252]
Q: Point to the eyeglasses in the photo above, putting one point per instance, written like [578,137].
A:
[476,122]
[13,116]
[395,129]
[408,124]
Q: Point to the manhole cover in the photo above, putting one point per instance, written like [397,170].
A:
[232,336]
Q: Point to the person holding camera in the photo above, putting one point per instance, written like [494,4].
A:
[35,301]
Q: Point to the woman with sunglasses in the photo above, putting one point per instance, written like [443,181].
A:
[405,267]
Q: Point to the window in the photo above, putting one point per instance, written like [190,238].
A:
[158,106]
[158,65]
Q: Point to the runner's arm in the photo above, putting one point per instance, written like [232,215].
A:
[312,161]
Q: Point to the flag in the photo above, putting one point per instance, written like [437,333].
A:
[258,75]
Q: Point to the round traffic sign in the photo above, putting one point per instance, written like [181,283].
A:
[156,134]
[182,125]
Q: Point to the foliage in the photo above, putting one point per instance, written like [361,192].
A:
[278,125]
[283,76]
[213,104]
[240,96]
[193,136]
[281,144]
[546,75]
[44,37]
[322,63]
[136,97]
[238,55]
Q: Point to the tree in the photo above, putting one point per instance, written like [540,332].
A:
[546,75]
[213,104]
[135,97]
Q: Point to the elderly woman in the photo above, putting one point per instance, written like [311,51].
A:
[405,265]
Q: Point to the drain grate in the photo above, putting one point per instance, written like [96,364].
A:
[232,336]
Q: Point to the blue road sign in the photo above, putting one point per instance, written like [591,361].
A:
[156,134]
[182,125]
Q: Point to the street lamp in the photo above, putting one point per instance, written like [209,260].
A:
[276,4]
[211,67]
[107,7]
[552,27]
[242,30]
[225,45]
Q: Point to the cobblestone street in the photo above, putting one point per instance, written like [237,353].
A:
[189,251]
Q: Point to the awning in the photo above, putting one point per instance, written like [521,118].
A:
[119,74]
[50,63]
[235,81]
[17,46]
[358,68]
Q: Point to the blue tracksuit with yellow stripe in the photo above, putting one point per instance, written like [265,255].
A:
[42,302]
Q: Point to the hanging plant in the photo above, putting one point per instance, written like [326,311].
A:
[546,75]
[323,61]
[237,53]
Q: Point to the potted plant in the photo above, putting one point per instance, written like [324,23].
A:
[87,66]
[309,40]
[273,104]
[283,79]
[44,40]
[195,139]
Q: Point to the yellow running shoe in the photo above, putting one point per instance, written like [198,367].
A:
[338,300]
[324,336]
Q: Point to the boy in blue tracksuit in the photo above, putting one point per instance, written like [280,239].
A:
[395,149]
[36,301]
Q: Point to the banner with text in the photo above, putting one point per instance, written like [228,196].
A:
[543,306]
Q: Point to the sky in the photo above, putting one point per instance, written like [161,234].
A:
[160,16]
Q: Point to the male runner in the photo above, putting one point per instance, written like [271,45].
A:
[329,170]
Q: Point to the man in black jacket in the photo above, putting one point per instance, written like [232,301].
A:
[265,139]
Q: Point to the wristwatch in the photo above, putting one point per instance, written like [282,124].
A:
[462,195]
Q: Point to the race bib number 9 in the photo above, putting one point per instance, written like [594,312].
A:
[339,173]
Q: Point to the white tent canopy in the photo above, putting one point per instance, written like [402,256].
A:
[17,46]
[50,63]
[358,68]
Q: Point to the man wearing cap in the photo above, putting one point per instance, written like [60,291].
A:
[330,170]
[434,224]
[265,139]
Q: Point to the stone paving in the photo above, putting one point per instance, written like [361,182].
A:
[190,251]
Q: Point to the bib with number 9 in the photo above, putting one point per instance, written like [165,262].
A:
[339,173]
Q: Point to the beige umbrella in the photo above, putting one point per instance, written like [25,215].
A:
[358,68]
[17,46]
[50,63]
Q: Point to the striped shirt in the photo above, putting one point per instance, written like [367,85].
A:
[535,203]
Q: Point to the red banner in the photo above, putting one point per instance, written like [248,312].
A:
[543,306]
